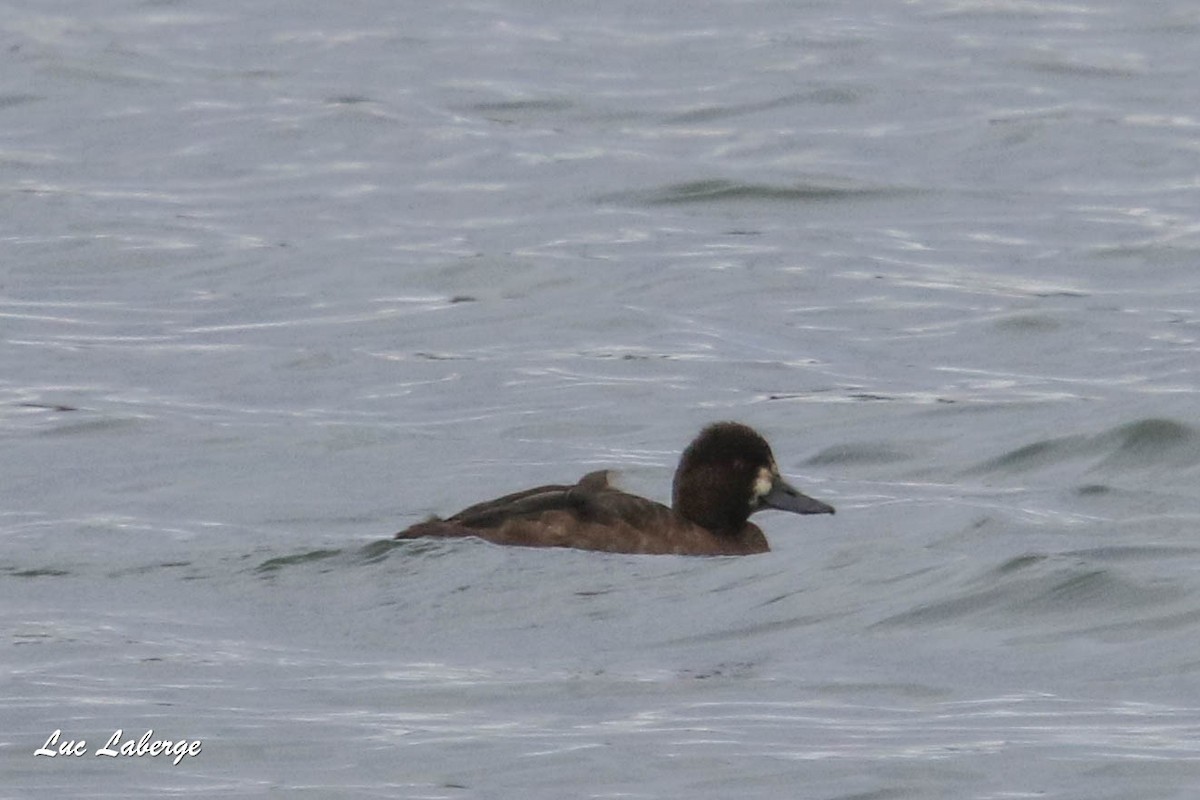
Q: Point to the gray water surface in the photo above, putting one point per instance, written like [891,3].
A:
[279,279]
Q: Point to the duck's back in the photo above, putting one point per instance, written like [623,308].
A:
[588,515]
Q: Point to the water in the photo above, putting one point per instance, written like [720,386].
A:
[280,279]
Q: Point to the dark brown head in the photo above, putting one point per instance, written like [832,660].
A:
[726,474]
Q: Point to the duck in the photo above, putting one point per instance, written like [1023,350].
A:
[727,473]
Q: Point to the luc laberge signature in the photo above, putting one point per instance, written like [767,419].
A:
[117,745]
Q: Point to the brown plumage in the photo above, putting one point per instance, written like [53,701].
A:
[726,474]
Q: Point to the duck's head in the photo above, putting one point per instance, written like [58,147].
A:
[727,473]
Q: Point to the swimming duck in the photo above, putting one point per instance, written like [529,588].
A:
[725,475]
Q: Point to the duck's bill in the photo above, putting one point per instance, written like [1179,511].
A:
[786,497]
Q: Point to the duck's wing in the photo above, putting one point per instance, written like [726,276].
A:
[592,499]
[488,512]
[589,515]
[524,504]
